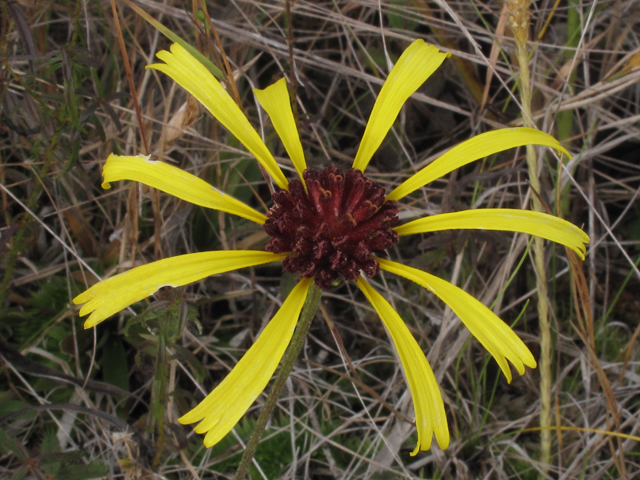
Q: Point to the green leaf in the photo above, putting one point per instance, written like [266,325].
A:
[11,444]
[82,471]
[50,443]
[8,404]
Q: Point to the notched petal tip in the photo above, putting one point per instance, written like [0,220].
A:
[80,299]
[111,169]
[92,322]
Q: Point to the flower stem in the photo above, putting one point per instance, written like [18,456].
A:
[289,360]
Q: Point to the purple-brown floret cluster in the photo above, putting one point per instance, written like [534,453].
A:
[334,227]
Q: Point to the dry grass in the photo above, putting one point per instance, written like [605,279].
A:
[67,103]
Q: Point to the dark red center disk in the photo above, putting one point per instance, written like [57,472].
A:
[334,227]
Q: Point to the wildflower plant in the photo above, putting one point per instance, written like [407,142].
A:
[326,225]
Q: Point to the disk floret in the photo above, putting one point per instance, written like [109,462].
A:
[334,227]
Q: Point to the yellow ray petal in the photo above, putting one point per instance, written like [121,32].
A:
[228,402]
[495,335]
[194,77]
[427,399]
[474,149]
[546,226]
[176,182]
[414,66]
[118,292]
[275,101]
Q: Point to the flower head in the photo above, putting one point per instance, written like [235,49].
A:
[333,226]
[326,225]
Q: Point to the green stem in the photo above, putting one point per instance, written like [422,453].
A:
[289,360]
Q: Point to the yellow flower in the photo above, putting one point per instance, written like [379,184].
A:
[326,225]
